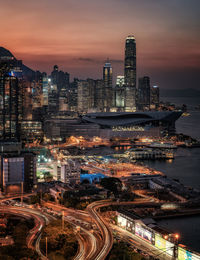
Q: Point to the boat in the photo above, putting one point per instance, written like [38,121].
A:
[162,145]
[186,114]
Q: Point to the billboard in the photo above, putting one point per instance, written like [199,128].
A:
[184,254]
[143,232]
[164,245]
[195,257]
[121,221]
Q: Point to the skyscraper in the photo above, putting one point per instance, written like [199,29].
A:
[130,73]
[143,101]
[107,74]
[120,93]
[99,95]
[107,78]
[154,97]
[10,104]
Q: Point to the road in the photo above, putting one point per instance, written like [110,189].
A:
[88,240]
[140,243]
[106,232]
[34,235]
[95,241]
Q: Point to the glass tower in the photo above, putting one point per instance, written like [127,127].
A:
[10,105]
[130,73]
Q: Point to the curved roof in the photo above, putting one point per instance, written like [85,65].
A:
[130,118]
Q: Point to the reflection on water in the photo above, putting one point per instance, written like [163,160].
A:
[184,167]
[188,228]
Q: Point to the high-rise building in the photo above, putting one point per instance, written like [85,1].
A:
[120,81]
[86,89]
[108,90]
[73,95]
[99,95]
[143,98]
[155,96]
[37,91]
[60,79]
[130,73]
[107,74]
[10,104]
[120,93]
[45,88]
[16,167]
[83,96]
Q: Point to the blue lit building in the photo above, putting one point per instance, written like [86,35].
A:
[95,177]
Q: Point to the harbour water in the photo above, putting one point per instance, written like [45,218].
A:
[186,168]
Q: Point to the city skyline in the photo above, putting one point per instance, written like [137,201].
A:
[80,36]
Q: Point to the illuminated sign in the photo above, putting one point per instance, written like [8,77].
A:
[128,128]
[195,257]
[121,221]
[184,254]
[143,232]
[169,206]
[164,245]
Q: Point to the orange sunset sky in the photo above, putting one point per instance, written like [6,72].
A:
[78,36]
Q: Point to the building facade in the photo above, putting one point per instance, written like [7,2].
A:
[143,98]
[130,74]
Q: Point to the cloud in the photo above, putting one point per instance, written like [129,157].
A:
[116,61]
[88,60]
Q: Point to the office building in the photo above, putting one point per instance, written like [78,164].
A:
[154,97]
[73,95]
[45,88]
[83,96]
[108,90]
[143,98]
[130,74]
[120,94]
[10,103]
[60,78]
[120,81]
[16,167]
[86,94]
[99,95]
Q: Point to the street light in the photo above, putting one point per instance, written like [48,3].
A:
[63,218]
[22,192]
[46,247]
[176,238]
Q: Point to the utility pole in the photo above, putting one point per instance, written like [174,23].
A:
[46,247]
[63,218]
[22,192]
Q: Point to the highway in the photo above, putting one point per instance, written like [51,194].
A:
[95,241]
[34,235]
[106,232]
[140,243]
[88,240]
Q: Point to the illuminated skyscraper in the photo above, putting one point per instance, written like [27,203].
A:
[120,93]
[107,74]
[10,104]
[130,73]
[108,93]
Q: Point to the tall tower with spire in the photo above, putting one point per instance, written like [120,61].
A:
[130,73]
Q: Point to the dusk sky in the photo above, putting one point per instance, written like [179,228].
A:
[78,36]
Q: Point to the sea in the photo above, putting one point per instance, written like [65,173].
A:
[186,168]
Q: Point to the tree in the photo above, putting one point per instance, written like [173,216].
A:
[112,184]
[127,196]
